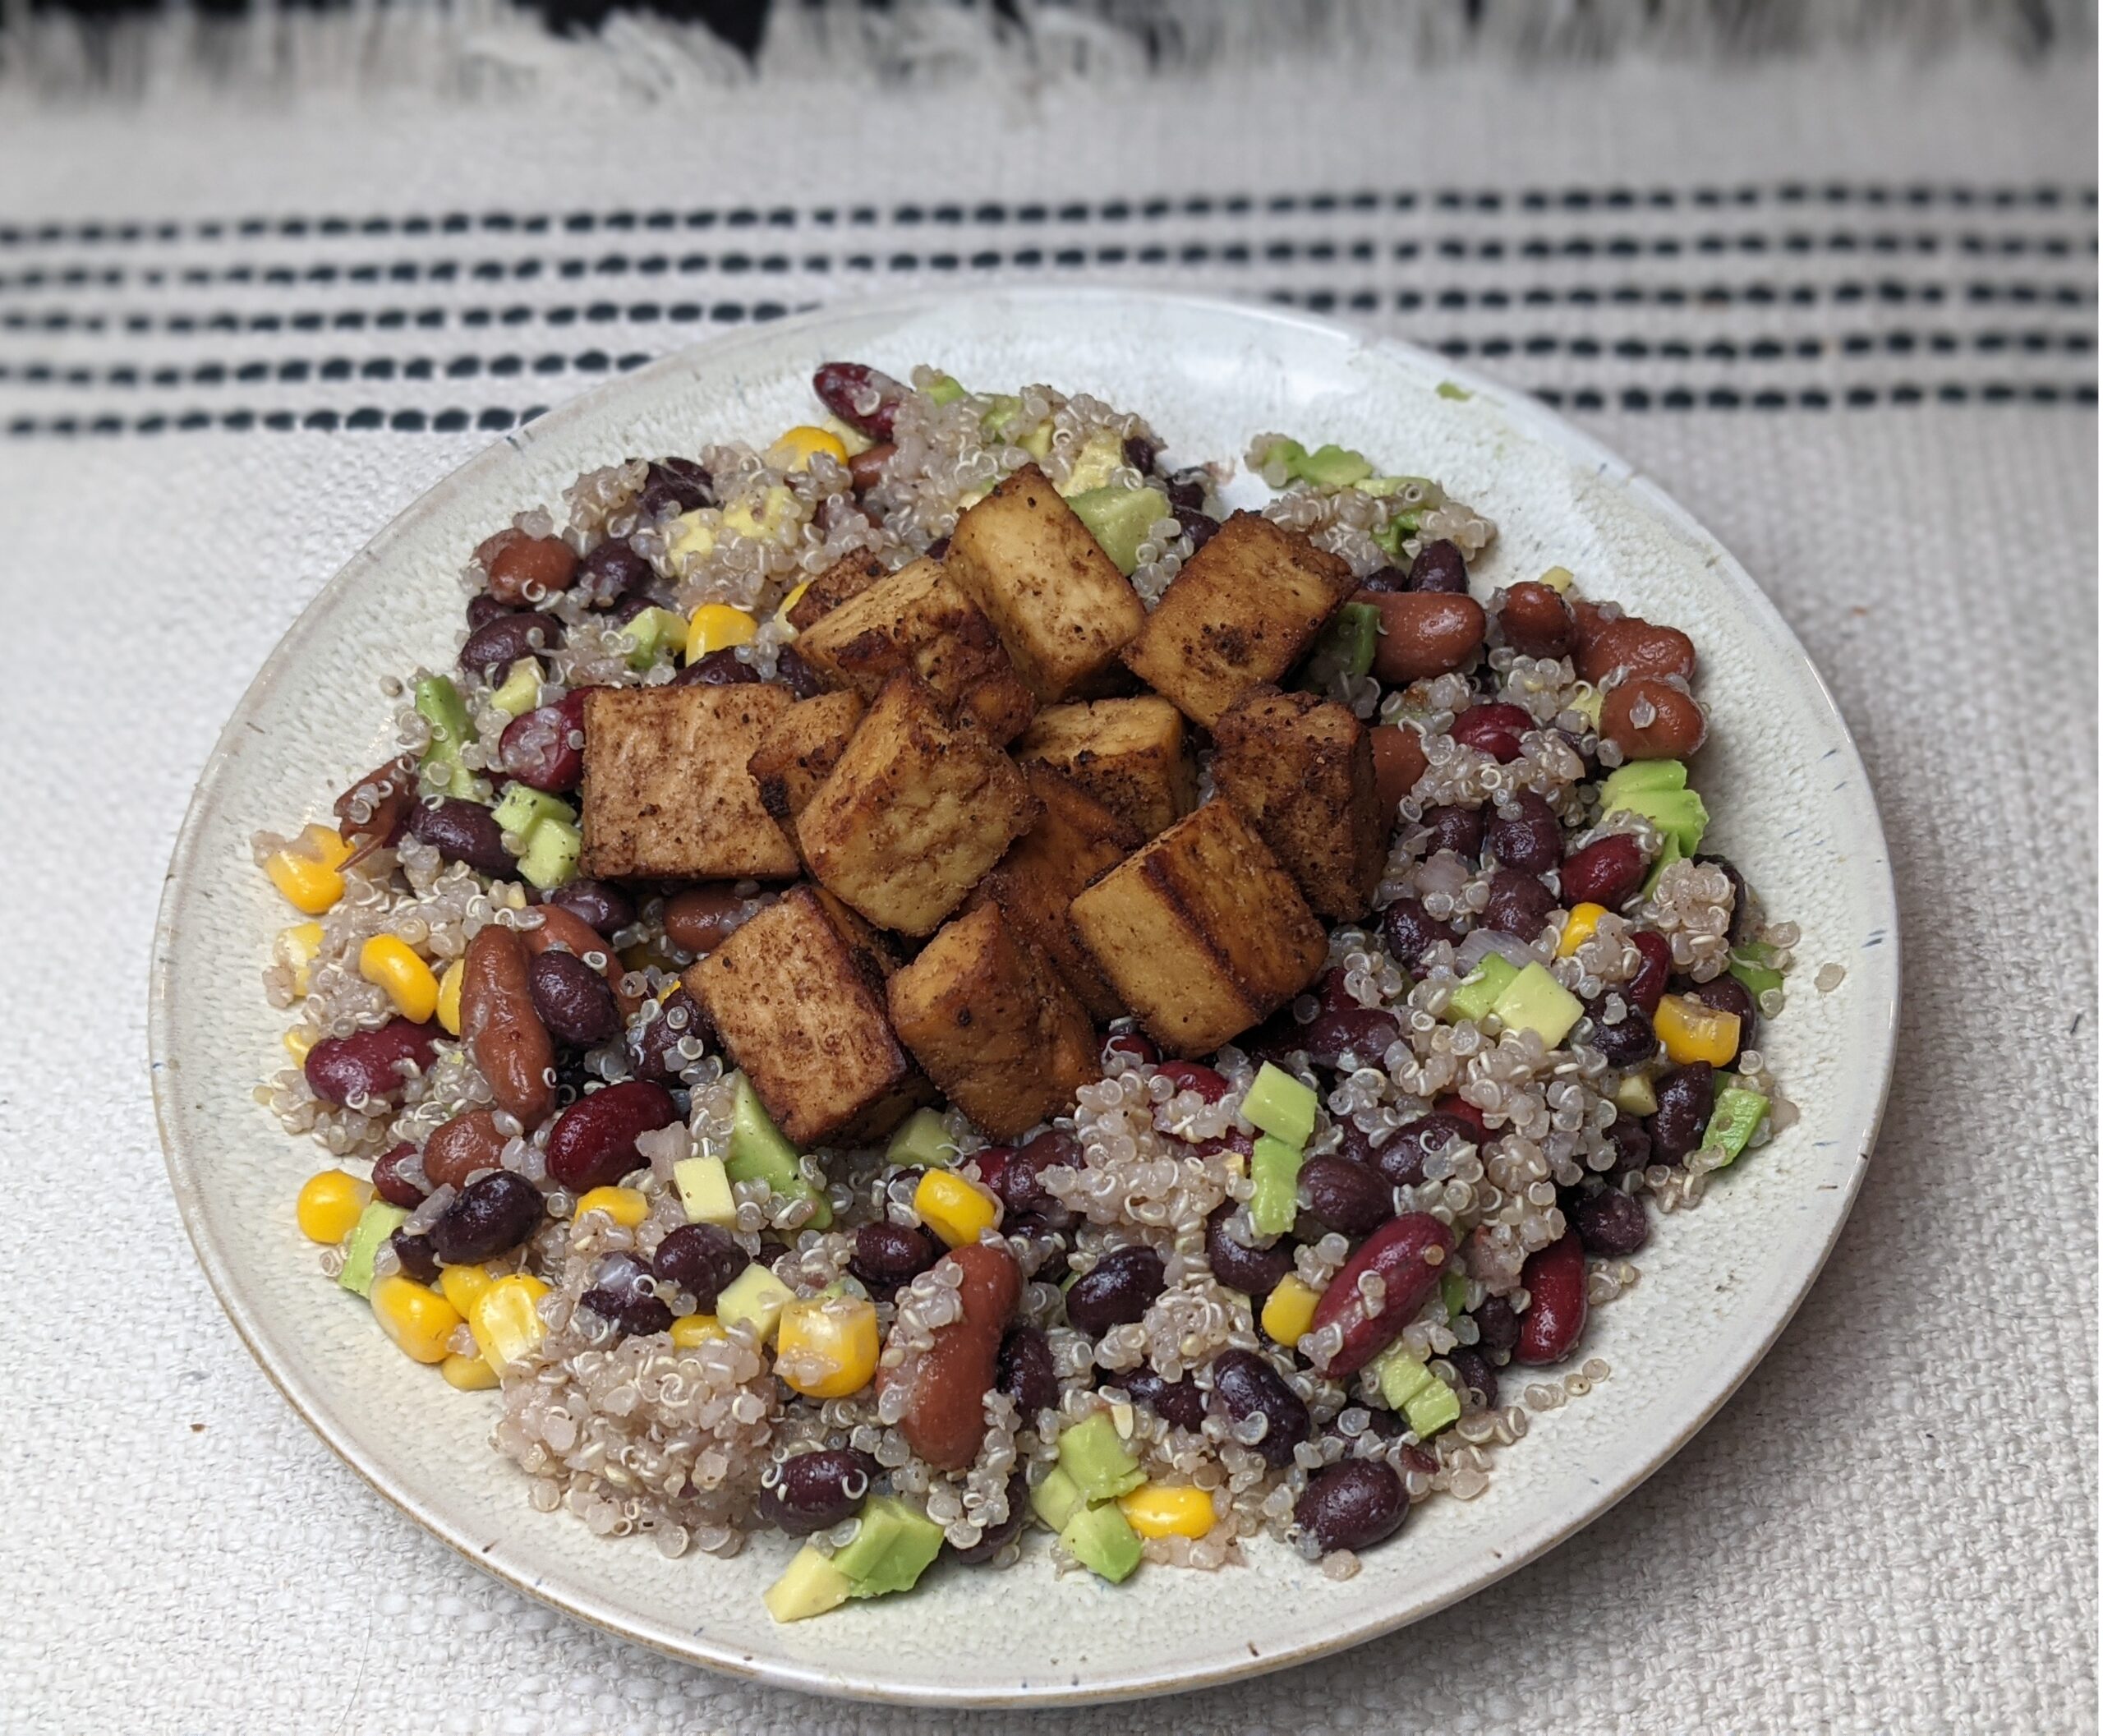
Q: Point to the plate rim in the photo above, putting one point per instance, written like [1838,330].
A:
[1528,418]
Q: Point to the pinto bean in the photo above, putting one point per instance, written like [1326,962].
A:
[700,918]
[1398,761]
[458,1149]
[944,1420]
[866,469]
[1409,1255]
[504,1034]
[1654,717]
[1424,634]
[528,569]
[1536,620]
[1631,644]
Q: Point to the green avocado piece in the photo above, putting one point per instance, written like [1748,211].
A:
[1119,518]
[1480,988]
[760,1152]
[652,630]
[439,703]
[1281,1105]
[1667,857]
[1275,1169]
[1656,790]
[1534,1001]
[810,1585]
[891,1551]
[375,1223]
[553,848]
[1453,1292]
[1093,1455]
[922,1138]
[1402,1376]
[1057,1498]
[522,808]
[520,689]
[1753,965]
[1436,1407]
[1345,646]
[1738,1113]
[1333,467]
[945,390]
[1102,1540]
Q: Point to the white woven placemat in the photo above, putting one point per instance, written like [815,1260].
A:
[1844,309]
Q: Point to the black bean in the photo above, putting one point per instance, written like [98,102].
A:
[723,668]
[1528,836]
[1478,1377]
[636,602]
[1631,1140]
[1518,905]
[1611,1223]
[1408,932]
[1200,527]
[1401,1158]
[1245,1385]
[1686,1097]
[1254,1272]
[815,1491]
[677,483]
[573,1000]
[797,676]
[888,1255]
[1186,488]
[490,1216]
[1177,1401]
[1497,1325]
[1019,1182]
[1115,1291]
[499,642]
[1385,581]
[611,571]
[701,1259]
[1345,1197]
[1742,923]
[1026,1373]
[996,1538]
[653,1048]
[415,1254]
[599,905]
[1350,1034]
[1459,830]
[1140,453]
[463,831]
[482,609]
[622,1291]
[1439,566]
[1352,1505]
[1629,1041]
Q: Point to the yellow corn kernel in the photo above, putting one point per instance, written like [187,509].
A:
[415,1316]
[795,449]
[448,997]
[826,1347]
[1584,921]
[691,1329]
[309,870]
[462,1285]
[506,1320]
[1290,1311]
[295,947]
[330,1204]
[692,535]
[717,627]
[953,1208]
[625,1205]
[777,511]
[1558,578]
[298,1041]
[468,1373]
[1167,1510]
[789,602]
[392,963]
[1693,1032]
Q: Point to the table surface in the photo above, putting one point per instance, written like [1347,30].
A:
[1893,1525]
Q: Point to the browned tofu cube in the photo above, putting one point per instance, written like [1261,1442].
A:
[805,743]
[1076,839]
[666,793]
[995,1029]
[1201,932]
[1131,755]
[1299,768]
[918,619]
[1243,611]
[850,576]
[799,1006]
[1059,603]
[914,812]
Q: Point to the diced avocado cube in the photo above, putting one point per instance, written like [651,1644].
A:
[1119,518]
[1281,1105]
[759,1152]
[1453,1292]
[1345,648]
[1640,776]
[550,857]
[704,1186]
[1102,1540]
[811,1585]
[1737,1114]
[439,703]
[1656,790]
[521,691]
[924,1140]
[1434,1407]
[1101,457]
[1057,1498]
[1093,1455]
[1478,990]
[652,630]
[1334,466]
[1534,1001]
[754,1295]
[1381,487]
[522,808]
[1588,703]
[1392,535]
[891,1551]
[1402,1376]
[1667,857]
[1753,965]
[375,1223]
[1634,1094]
[1275,1169]
[1000,411]
[1289,453]
[945,390]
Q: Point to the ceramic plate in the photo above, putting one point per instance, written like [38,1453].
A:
[1792,807]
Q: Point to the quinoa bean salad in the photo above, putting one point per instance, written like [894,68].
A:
[923,980]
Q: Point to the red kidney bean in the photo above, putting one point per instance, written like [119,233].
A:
[503,1035]
[529,569]
[1026,1373]
[1141,1048]
[1687,1098]
[543,747]
[815,1491]
[1497,1325]
[1254,1272]
[1478,1376]
[1345,1197]
[1553,1278]
[1177,1401]
[415,1254]
[1496,729]
[1528,836]
[1116,1291]
[500,641]
[1408,932]
[1410,1255]
[1651,717]
[678,485]
[621,1293]
[1353,1036]
[797,676]
[464,1146]
[465,832]
[1401,1159]
[367,1064]
[490,1216]
[1439,566]
[888,1255]
[1728,995]
[1424,634]
[944,1416]
[1459,830]
[376,807]
[1629,1041]
[1352,1505]
[844,388]
[601,906]
[592,1143]
[1631,1140]
[700,918]
[391,1181]
[1190,1076]
[1647,987]
[573,1000]
[723,668]
[1611,1223]
[653,1048]
[997,1537]
[1398,761]
[1606,872]
[1454,1104]
[1245,1385]
[611,571]
[1536,620]
[701,1259]
[1630,644]
[1518,905]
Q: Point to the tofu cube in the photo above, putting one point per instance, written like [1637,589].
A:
[1058,602]
[1201,931]
[850,576]
[918,619]
[1300,768]
[667,794]
[1243,611]
[914,812]
[1076,839]
[995,1027]
[804,743]
[799,1006]
[1132,755]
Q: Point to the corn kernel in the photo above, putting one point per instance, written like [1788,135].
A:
[691,535]
[1167,1510]
[415,1316]
[1558,578]
[448,997]
[391,963]
[1289,1314]
[717,627]
[506,1320]
[795,449]
[468,1373]
[1584,921]
[295,947]
[462,1285]
[776,512]
[309,870]
[625,1205]
[299,1040]
[826,1347]
[781,615]
[330,1204]
[1691,1031]
[953,1208]
[691,1329]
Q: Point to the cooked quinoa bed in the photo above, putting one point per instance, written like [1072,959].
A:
[925,979]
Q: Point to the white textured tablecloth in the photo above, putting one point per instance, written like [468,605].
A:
[1891,1527]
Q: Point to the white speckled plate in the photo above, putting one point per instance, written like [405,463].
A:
[1791,805]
